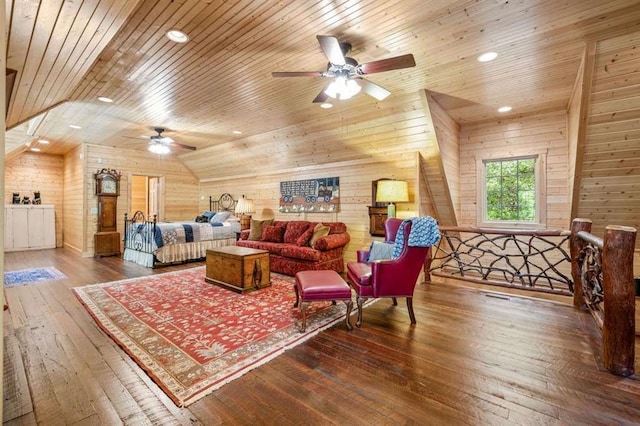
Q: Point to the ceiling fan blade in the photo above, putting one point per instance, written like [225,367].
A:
[331,48]
[404,61]
[297,74]
[373,89]
[181,145]
[322,96]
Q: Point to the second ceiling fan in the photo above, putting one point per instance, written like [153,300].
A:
[160,144]
[347,73]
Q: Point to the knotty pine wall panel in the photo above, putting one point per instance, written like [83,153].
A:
[31,171]
[441,164]
[515,137]
[355,194]
[181,188]
[610,178]
[74,216]
[344,133]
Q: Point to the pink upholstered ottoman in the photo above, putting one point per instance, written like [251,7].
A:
[312,286]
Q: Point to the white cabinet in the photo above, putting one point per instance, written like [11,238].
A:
[29,227]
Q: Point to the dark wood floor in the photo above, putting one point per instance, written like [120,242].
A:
[473,358]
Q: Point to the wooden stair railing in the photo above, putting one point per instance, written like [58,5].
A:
[603,272]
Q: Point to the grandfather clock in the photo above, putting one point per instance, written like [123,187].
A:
[107,239]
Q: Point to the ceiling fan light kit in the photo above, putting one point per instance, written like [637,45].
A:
[346,72]
[342,88]
[158,148]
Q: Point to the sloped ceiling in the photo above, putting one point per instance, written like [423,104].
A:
[69,53]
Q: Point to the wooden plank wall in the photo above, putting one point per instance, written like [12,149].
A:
[610,178]
[74,214]
[514,137]
[32,171]
[347,132]
[181,189]
[442,162]
[576,123]
[355,193]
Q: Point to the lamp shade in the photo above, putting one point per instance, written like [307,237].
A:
[392,191]
[244,206]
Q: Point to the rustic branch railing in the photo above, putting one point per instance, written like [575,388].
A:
[603,272]
[533,260]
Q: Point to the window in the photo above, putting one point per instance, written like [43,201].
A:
[511,191]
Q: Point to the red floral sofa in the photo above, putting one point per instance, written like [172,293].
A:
[296,246]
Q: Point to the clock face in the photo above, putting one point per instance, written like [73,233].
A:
[108,186]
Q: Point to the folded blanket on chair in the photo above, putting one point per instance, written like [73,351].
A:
[424,233]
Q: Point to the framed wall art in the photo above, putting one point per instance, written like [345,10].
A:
[311,195]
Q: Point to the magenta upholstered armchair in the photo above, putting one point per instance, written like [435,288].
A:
[391,226]
[388,278]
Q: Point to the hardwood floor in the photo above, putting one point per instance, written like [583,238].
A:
[473,358]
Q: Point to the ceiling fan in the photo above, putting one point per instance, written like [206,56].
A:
[347,73]
[160,144]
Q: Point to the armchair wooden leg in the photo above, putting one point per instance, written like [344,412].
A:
[410,309]
[395,301]
[359,302]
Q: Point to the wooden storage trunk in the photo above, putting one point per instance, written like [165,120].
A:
[240,269]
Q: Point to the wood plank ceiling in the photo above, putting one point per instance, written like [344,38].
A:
[69,53]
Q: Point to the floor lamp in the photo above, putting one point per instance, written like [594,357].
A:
[245,208]
[392,191]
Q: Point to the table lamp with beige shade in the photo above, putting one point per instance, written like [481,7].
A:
[245,208]
[392,191]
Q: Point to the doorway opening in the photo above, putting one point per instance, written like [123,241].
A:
[146,195]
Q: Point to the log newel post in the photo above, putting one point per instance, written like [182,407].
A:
[575,246]
[618,328]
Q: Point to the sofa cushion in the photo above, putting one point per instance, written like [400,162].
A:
[256,228]
[295,229]
[303,240]
[272,233]
[305,253]
[319,231]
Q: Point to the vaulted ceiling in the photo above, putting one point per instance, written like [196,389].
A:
[67,54]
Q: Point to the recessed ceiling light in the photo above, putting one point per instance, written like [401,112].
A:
[486,57]
[177,36]
[105,99]
[35,149]
[237,132]
[326,105]
[43,141]
[75,126]
[504,109]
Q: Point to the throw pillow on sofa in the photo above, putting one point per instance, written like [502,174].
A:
[257,227]
[295,229]
[303,240]
[272,234]
[318,232]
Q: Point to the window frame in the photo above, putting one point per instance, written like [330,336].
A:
[540,167]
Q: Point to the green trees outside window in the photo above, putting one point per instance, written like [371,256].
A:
[511,190]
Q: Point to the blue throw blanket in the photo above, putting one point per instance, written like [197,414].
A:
[424,233]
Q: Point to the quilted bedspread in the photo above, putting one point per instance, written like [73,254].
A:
[188,232]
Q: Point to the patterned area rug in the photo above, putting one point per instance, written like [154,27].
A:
[192,337]
[32,276]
